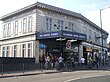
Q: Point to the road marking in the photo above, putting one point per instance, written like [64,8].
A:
[84,77]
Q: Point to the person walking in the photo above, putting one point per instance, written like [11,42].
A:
[82,62]
[72,62]
[60,60]
[95,62]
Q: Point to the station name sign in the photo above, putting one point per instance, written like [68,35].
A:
[63,34]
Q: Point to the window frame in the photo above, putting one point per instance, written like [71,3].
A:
[23,50]
[15,50]
[48,24]
[24,25]
[30,24]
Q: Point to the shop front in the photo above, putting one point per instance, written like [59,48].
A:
[60,43]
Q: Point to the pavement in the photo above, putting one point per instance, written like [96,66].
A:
[37,72]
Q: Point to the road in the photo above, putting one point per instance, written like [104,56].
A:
[94,79]
[57,77]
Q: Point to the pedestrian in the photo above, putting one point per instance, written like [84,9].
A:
[72,61]
[56,62]
[82,62]
[42,61]
[60,60]
[95,62]
[90,62]
[47,62]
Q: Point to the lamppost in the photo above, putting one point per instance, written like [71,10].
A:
[102,32]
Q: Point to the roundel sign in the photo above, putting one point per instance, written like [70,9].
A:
[68,45]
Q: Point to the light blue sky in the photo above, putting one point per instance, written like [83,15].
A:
[88,8]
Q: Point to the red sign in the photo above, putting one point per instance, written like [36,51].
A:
[68,45]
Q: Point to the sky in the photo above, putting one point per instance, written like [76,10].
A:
[88,8]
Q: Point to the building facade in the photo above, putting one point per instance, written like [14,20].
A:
[41,29]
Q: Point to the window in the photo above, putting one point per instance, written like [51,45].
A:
[71,27]
[48,24]
[90,35]
[60,25]
[29,50]
[24,25]
[7,51]
[95,37]
[23,50]
[98,39]
[16,27]
[30,24]
[3,52]
[15,50]
[9,29]
[85,30]
[4,31]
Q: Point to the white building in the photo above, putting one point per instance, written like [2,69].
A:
[40,28]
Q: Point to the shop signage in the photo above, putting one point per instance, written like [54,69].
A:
[68,45]
[108,49]
[63,34]
[89,49]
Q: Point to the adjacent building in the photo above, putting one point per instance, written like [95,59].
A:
[42,29]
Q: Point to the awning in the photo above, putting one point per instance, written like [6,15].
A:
[62,34]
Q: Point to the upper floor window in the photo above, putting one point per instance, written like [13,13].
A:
[9,29]
[71,27]
[15,50]
[90,35]
[95,37]
[60,25]
[3,51]
[98,39]
[85,30]
[48,24]
[24,25]
[4,30]
[30,23]
[16,28]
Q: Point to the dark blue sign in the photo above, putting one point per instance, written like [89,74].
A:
[63,34]
[108,49]
[74,35]
[48,35]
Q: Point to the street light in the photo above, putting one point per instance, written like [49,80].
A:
[102,32]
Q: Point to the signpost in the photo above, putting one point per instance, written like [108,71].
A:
[68,45]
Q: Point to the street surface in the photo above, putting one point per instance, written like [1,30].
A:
[94,79]
[58,77]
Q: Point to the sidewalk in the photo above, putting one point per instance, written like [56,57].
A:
[37,72]
[26,73]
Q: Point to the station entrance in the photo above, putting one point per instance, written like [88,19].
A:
[59,48]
